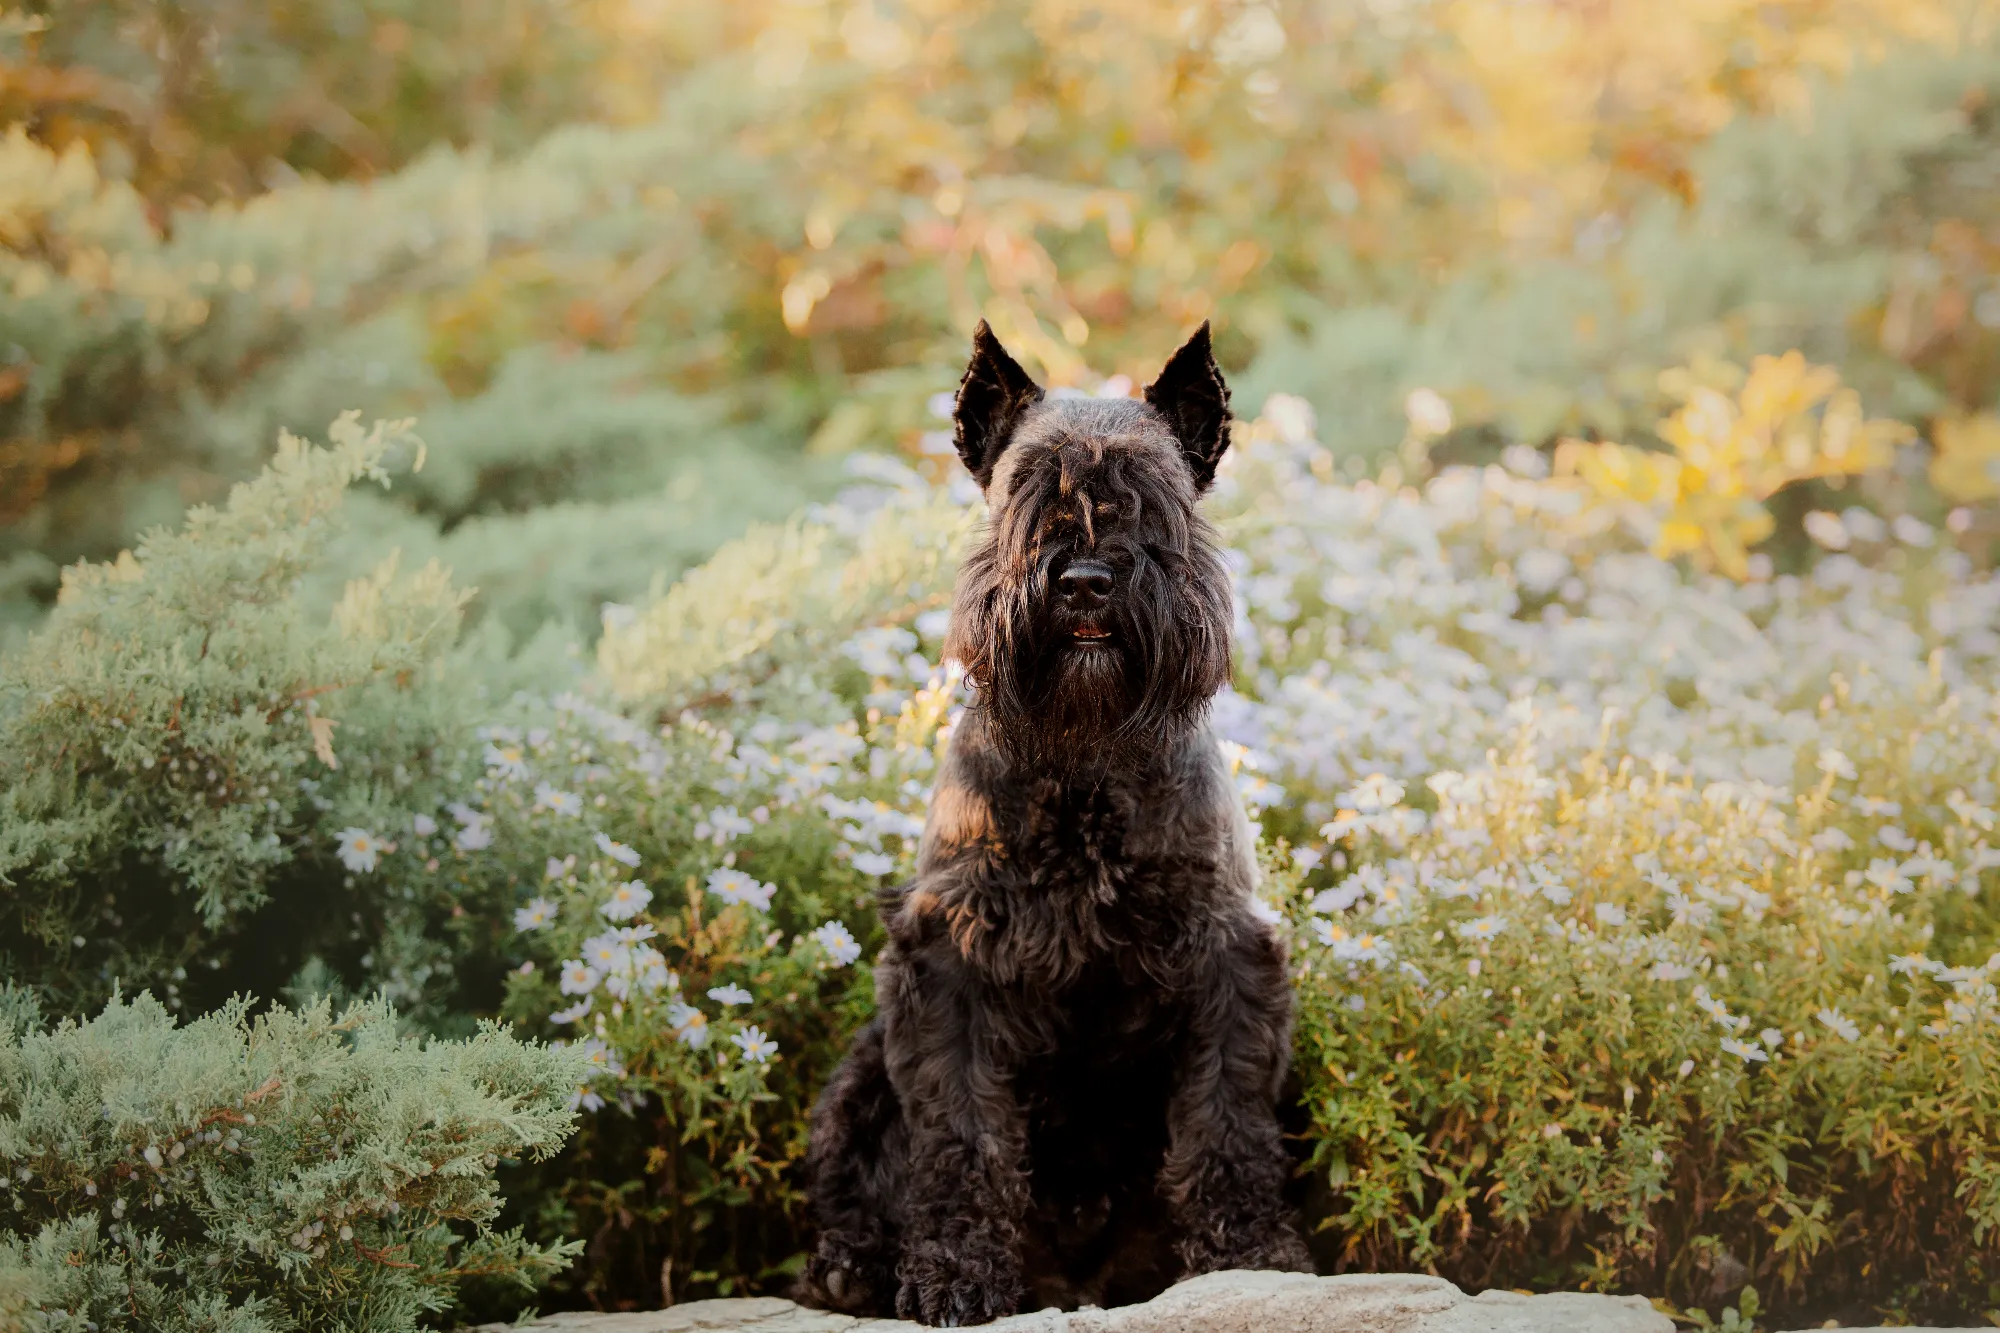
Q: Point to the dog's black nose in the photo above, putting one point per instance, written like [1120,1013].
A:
[1085,584]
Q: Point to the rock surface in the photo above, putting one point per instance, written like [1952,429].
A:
[1214,1303]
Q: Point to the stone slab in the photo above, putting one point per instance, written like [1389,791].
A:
[1238,1302]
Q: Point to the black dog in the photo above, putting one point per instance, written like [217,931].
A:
[1068,1094]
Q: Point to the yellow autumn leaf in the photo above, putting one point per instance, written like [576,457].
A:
[322,735]
[1966,466]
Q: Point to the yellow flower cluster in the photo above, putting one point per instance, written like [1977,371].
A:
[1790,421]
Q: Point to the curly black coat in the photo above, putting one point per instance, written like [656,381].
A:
[1067,1097]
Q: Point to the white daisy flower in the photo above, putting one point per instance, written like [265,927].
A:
[733,886]
[358,849]
[617,851]
[722,825]
[1895,839]
[1827,529]
[539,912]
[840,945]
[1885,872]
[1365,948]
[1711,1006]
[1843,1027]
[1340,897]
[507,759]
[627,900]
[560,802]
[689,1024]
[756,1047]
[1480,928]
[730,994]
[1373,794]
[601,1057]
[873,863]
[578,978]
[476,831]
[606,953]
[1744,1051]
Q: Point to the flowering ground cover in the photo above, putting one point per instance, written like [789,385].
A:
[1639,911]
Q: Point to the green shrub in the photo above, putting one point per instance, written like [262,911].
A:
[298,1170]
[1603,1023]
[175,740]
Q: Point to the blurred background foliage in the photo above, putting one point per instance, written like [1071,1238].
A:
[643,270]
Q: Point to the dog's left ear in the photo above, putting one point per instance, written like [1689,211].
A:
[991,398]
[1191,394]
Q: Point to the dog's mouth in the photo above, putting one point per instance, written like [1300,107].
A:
[1091,636]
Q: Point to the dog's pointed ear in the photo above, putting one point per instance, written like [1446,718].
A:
[991,398]
[1191,394]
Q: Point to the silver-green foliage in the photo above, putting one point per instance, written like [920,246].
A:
[174,739]
[298,1170]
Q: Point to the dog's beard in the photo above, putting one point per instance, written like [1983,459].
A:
[1079,703]
[1069,697]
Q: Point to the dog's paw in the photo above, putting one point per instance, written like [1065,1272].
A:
[835,1278]
[955,1291]
[1283,1252]
[828,1286]
[1274,1247]
[955,1305]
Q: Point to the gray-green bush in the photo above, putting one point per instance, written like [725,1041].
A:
[294,1170]
[192,715]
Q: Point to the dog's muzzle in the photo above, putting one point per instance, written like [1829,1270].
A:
[1084,590]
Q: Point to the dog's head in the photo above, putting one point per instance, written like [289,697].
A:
[1094,617]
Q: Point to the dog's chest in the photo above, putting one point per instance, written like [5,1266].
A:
[1090,857]
[1082,905]
[1076,842]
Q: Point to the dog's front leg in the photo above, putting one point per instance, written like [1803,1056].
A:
[1225,1170]
[965,1189]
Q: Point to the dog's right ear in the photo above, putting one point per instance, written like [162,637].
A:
[991,398]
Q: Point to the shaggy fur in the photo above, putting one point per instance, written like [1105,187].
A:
[1068,1095]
